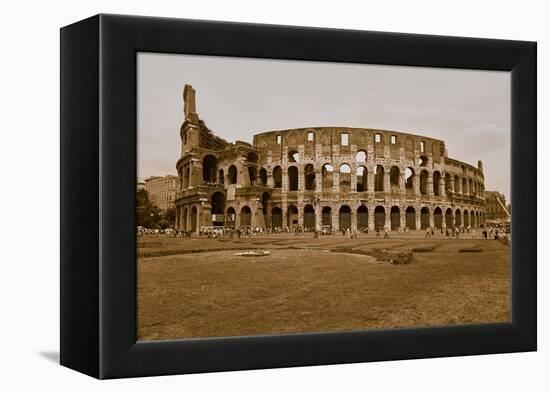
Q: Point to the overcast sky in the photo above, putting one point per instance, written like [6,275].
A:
[239,97]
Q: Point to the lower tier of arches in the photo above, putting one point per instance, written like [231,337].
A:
[318,216]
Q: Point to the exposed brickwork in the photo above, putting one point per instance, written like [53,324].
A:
[323,176]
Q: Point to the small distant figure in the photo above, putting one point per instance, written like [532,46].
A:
[428,232]
[386,233]
[377,232]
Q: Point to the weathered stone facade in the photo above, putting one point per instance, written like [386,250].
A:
[338,177]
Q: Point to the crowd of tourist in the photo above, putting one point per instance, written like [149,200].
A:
[486,232]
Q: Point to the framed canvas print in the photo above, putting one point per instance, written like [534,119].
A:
[240,196]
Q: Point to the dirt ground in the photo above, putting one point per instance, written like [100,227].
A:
[191,288]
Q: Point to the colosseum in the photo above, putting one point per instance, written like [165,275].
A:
[322,177]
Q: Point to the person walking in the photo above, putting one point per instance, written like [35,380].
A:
[386,234]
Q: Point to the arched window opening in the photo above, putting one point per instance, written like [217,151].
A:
[394,176]
[277,177]
[424,218]
[263,176]
[438,218]
[309,177]
[327,176]
[361,156]
[362,179]
[293,156]
[362,217]
[344,217]
[292,178]
[309,218]
[326,215]
[379,217]
[379,178]
[410,218]
[246,216]
[345,178]
[209,167]
[232,175]
[423,161]
[409,179]
[395,218]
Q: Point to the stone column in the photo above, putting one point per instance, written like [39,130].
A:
[402,217]
[417,217]
[416,184]
[387,224]
[442,191]
[431,216]
[318,216]
[430,185]
[300,213]
[371,217]
[354,219]
[335,219]
[387,185]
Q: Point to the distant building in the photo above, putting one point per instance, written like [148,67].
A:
[495,203]
[162,190]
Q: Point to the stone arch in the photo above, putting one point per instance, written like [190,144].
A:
[448,182]
[326,216]
[457,183]
[423,161]
[464,186]
[424,218]
[263,176]
[217,203]
[309,217]
[246,216]
[221,177]
[292,178]
[209,167]
[292,216]
[438,218]
[466,218]
[424,182]
[232,175]
[410,218]
[409,178]
[276,218]
[379,217]
[345,178]
[458,218]
[394,176]
[378,178]
[252,157]
[449,218]
[309,177]
[327,172]
[293,156]
[362,174]
[361,156]
[362,217]
[472,219]
[344,216]
[395,218]
[252,174]
[277,177]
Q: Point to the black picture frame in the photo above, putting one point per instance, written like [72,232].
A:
[98,185]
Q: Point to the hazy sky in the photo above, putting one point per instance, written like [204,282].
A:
[239,97]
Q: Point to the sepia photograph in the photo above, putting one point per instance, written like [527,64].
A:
[281,196]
